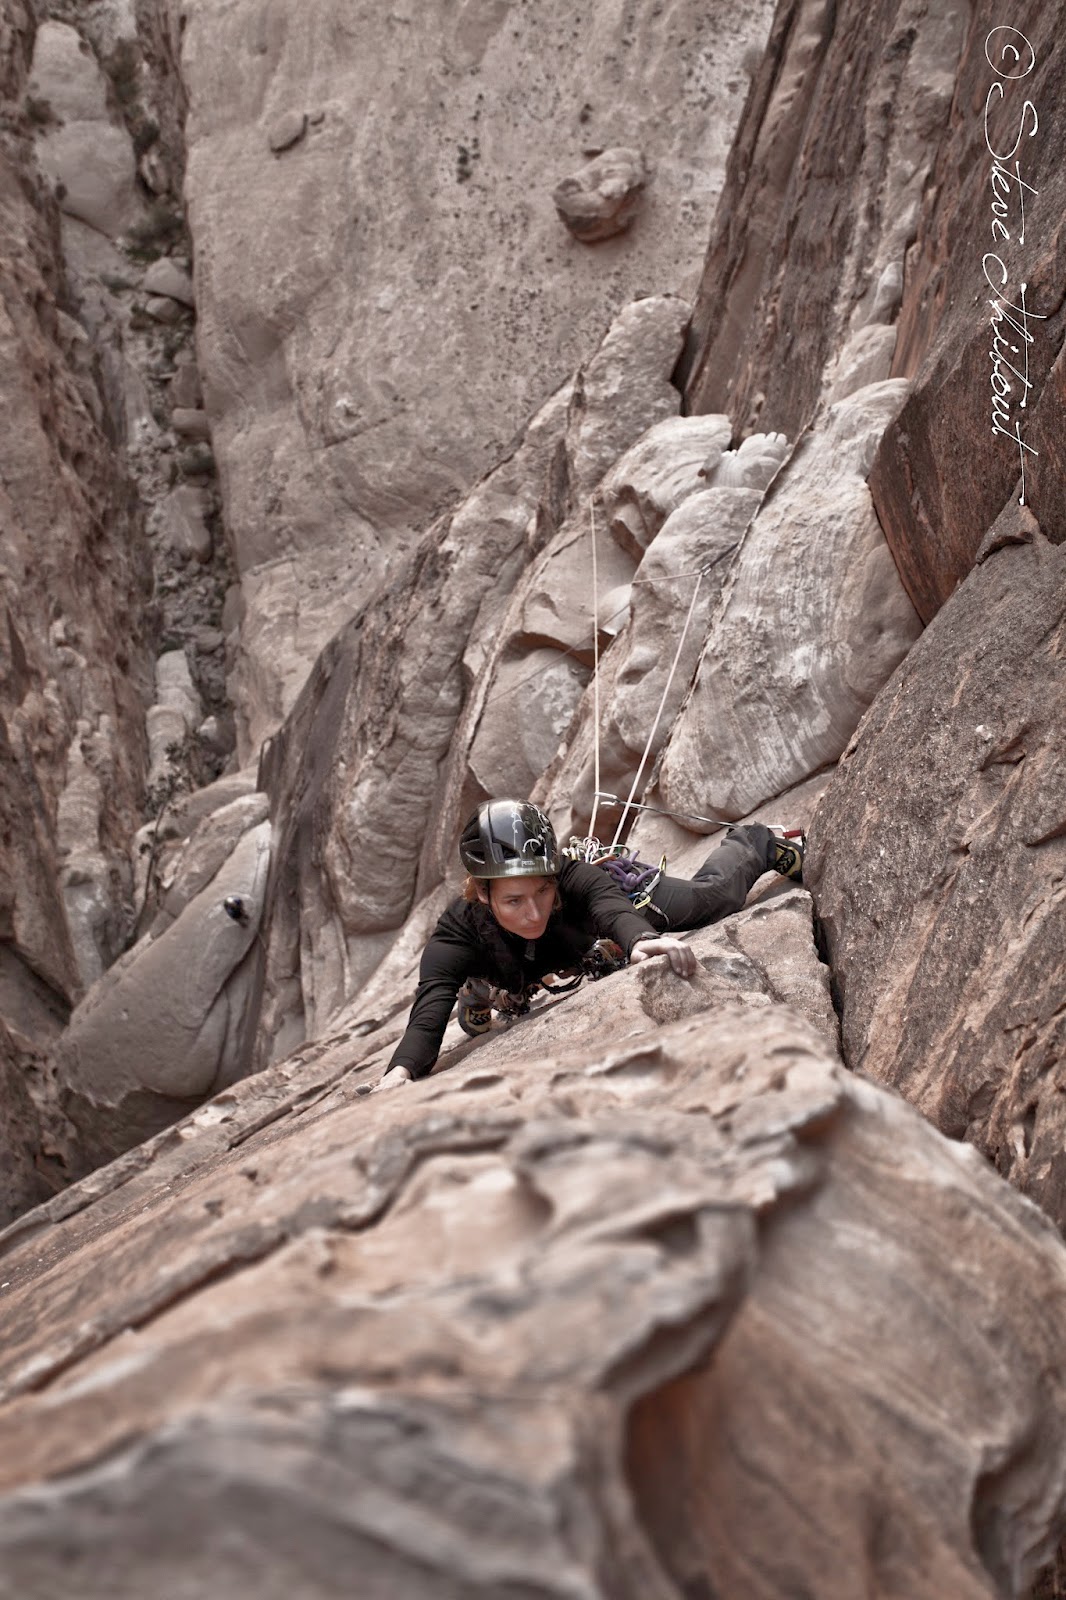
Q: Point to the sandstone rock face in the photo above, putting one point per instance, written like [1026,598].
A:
[545,1325]
[384,301]
[947,465]
[354,850]
[74,580]
[824,192]
[805,296]
[168,1023]
[938,857]
[813,622]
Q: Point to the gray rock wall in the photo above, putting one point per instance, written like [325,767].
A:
[74,592]
[385,290]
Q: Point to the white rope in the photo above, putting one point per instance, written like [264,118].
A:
[595,675]
[658,716]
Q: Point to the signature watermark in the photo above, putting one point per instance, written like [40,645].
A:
[1008,116]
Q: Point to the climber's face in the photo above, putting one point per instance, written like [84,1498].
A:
[522,905]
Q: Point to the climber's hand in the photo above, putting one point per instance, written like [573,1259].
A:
[681,958]
[391,1078]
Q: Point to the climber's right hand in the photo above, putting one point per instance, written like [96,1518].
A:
[681,958]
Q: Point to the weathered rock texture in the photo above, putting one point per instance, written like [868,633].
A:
[813,620]
[356,774]
[386,294]
[603,197]
[861,200]
[823,196]
[938,857]
[943,473]
[22,1185]
[492,1335]
[74,671]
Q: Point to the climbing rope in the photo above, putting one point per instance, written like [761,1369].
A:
[658,715]
[595,671]
[660,811]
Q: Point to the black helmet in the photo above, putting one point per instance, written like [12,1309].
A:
[509,839]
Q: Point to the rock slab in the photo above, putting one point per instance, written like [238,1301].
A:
[584,1324]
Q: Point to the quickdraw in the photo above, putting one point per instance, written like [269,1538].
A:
[635,878]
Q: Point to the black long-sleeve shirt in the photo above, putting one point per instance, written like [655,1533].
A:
[593,907]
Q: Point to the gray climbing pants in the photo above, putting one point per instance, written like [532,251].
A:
[719,887]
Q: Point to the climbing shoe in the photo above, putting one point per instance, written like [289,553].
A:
[475,1000]
[788,854]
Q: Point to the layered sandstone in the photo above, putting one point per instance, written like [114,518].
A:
[569,1318]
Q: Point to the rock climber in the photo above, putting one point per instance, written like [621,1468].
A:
[526,912]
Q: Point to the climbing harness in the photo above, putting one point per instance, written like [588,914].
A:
[478,999]
[635,878]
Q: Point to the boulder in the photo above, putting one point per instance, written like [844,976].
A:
[166,1025]
[168,277]
[190,423]
[625,387]
[582,1322]
[813,622]
[288,130]
[183,522]
[85,151]
[205,852]
[938,858]
[602,198]
[651,479]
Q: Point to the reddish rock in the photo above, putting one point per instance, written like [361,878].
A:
[942,474]
[938,859]
[688,1312]
[859,198]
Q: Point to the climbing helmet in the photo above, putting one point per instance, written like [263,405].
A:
[509,839]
